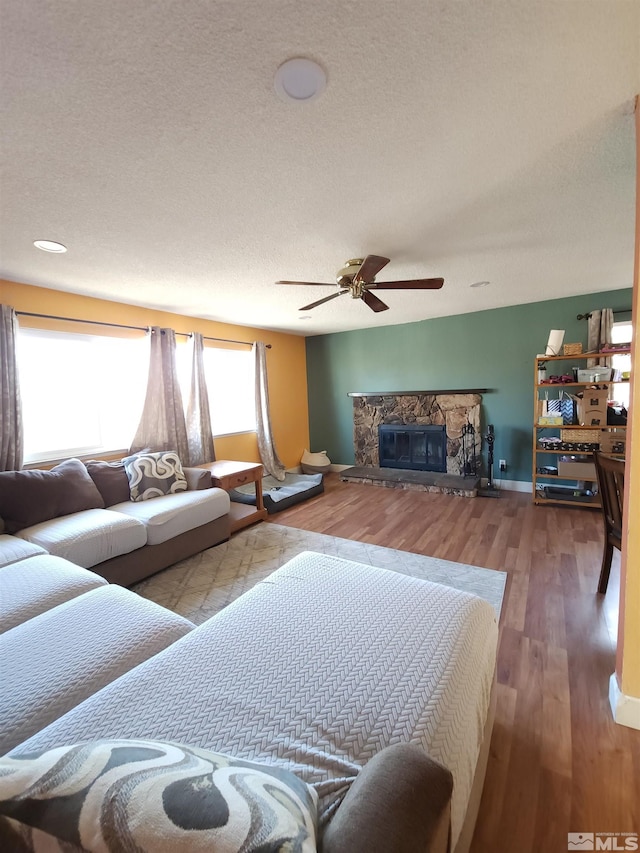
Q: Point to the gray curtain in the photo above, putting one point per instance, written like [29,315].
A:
[599,334]
[162,424]
[11,432]
[199,434]
[266,447]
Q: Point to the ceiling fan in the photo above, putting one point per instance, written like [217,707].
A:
[358,279]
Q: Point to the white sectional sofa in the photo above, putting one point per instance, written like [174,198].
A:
[369,690]
[83,513]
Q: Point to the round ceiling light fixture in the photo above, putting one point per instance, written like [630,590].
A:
[300,80]
[480,284]
[50,246]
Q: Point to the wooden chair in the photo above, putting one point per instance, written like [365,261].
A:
[610,473]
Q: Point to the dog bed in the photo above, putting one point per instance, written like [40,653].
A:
[281,494]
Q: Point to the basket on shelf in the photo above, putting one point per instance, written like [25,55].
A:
[572,349]
[579,436]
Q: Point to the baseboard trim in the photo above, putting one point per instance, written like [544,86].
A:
[510,485]
[626,709]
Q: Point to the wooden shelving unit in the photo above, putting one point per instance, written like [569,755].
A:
[576,490]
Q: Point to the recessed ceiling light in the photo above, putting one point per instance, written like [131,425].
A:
[49,246]
[299,80]
[480,284]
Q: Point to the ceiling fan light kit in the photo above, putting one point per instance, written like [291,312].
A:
[344,276]
[358,278]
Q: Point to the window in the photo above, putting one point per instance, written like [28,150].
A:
[229,375]
[621,333]
[81,394]
[231,390]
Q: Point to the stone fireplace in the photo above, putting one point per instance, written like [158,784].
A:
[457,411]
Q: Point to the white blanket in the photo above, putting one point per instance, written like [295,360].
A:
[317,668]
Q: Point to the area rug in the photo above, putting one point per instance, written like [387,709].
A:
[201,586]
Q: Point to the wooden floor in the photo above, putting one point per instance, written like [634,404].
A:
[558,762]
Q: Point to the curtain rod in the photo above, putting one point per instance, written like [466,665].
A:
[224,340]
[122,326]
[619,311]
[88,322]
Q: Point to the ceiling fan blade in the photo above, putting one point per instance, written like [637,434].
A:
[370,267]
[412,284]
[373,302]
[312,283]
[321,301]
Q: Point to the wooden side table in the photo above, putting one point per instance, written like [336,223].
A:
[228,474]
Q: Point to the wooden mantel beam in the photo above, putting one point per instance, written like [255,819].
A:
[413,393]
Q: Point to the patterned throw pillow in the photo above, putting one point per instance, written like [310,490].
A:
[151,475]
[140,795]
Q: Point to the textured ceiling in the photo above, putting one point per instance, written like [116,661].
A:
[464,139]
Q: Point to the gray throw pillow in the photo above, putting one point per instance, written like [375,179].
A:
[151,475]
[29,497]
[140,795]
[110,479]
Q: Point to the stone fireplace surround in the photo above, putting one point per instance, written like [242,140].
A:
[453,409]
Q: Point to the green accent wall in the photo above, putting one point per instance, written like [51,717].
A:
[491,349]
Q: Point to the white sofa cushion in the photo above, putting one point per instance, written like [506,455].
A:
[89,537]
[53,662]
[12,549]
[171,515]
[35,585]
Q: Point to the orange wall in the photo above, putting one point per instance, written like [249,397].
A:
[286,360]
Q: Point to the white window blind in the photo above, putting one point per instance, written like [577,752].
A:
[229,375]
[81,394]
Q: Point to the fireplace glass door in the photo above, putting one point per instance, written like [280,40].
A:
[419,447]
